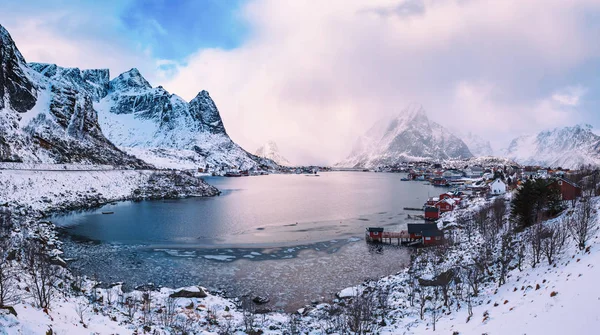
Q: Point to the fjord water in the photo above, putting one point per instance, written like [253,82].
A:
[294,238]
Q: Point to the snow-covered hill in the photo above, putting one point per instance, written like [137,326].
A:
[477,145]
[48,116]
[410,136]
[270,150]
[567,147]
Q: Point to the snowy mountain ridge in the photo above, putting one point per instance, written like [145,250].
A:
[477,145]
[567,147]
[46,120]
[52,114]
[409,136]
[270,150]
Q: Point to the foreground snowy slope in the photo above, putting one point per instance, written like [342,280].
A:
[48,119]
[567,147]
[410,136]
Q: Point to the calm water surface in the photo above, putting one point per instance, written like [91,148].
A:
[293,238]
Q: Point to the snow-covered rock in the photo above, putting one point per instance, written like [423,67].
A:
[167,131]
[410,136]
[567,147]
[48,116]
[270,150]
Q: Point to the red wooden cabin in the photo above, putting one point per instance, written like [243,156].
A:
[432,213]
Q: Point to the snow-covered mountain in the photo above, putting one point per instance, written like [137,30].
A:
[477,145]
[165,130]
[410,136]
[50,118]
[270,150]
[566,147]
[52,114]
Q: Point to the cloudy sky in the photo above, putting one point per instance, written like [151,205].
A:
[313,74]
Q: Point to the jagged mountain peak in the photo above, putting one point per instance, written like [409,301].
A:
[95,82]
[16,89]
[8,43]
[128,80]
[567,147]
[270,150]
[409,136]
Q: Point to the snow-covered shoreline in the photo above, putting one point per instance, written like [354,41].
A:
[41,192]
[542,293]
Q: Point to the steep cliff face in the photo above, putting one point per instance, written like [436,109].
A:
[52,114]
[410,136]
[47,113]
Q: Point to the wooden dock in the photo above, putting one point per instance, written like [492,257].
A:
[399,238]
[413,209]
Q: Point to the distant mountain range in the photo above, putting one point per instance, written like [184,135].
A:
[566,147]
[51,114]
[477,145]
[410,136]
[270,150]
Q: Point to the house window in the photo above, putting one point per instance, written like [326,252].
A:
[427,238]
[560,182]
[376,233]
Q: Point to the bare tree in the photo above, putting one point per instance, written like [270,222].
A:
[43,276]
[8,275]
[248,313]
[581,225]
[499,211]
[81,308]
[554,243]
[535,235]
[436,306]
[131,306]
[360,313]
[168,311]
[474,276]
[506,257]
[147,306]
[422,293]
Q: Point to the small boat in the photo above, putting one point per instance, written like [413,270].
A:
[404,179]
[233,174]
[108,212]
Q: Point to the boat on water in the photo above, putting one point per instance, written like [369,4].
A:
[404,179]
[233,174]
[108,212]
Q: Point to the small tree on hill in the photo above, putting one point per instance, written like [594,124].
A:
[581,224]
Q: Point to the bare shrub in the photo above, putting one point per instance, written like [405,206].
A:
[581,225]
[8,275]
[42,276]
[360,313]
[554,243]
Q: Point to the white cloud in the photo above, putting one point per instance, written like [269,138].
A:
[570,96]
[316,74]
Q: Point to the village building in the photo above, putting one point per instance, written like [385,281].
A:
[568,190]
[497,187]
[446,205]
[432,213]
[452,174]
[375,233]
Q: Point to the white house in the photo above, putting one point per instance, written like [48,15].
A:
[498,187]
